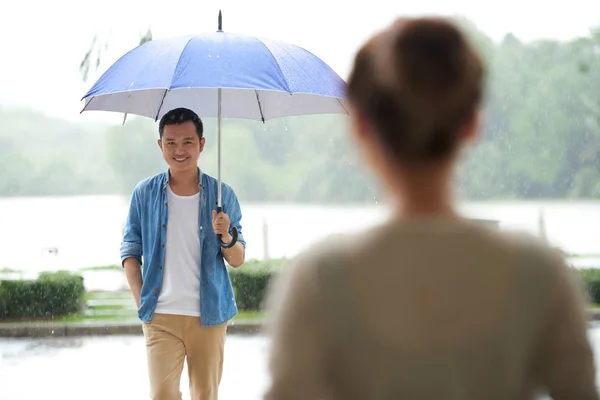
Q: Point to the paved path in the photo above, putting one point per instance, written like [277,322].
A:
[114,367]
[98,328]
[126,327]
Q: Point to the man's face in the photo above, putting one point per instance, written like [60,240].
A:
[181,146]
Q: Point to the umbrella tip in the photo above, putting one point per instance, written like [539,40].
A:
[220,22]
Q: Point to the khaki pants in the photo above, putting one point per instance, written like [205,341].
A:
[172,338]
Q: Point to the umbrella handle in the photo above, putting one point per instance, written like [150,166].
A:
[234,235]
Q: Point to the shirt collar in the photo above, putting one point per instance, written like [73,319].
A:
[166,179]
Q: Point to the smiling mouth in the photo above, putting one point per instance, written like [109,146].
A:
[180,159]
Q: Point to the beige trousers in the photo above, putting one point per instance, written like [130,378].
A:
[170,339]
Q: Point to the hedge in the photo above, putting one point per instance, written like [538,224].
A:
[62,293]
[51,295]
[251,282]
[591,281]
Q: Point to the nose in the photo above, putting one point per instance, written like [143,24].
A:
[178,150]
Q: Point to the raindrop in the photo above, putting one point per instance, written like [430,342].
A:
[209,56]
[53,331]
[218,56]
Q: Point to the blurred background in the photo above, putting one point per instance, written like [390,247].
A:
[66,177]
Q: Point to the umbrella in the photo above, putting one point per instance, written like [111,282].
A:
[222,75]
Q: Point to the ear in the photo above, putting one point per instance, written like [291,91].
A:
[159,142]
[202,142]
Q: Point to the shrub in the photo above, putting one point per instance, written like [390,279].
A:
[591,281]
[251,282]
[51,295]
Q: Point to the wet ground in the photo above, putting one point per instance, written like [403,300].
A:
[113,367]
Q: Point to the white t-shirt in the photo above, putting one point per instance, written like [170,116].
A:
[180,292]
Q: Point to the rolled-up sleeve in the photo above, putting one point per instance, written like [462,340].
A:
[131,246]
[234,211]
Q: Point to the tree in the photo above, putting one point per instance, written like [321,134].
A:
[98,48]
[541,138]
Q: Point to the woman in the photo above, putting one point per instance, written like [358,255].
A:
[429,305]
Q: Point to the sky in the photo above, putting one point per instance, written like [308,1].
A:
[42,42]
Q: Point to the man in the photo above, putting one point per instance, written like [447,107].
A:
[183,293]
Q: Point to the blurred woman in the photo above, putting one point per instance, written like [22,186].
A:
[429,305]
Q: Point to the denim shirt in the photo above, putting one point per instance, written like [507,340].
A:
[146,234]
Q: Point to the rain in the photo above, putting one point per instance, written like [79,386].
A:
[69,324]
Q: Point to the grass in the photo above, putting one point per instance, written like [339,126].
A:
[123,311]
[249,316]
[132,316]
[120,295]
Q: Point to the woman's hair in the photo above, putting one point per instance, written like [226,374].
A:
[417,84]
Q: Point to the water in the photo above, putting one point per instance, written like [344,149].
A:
[49,233]
[115,367]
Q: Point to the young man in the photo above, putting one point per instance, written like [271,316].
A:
[183,293]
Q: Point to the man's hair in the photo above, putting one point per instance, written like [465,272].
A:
[417,83]
[179,116]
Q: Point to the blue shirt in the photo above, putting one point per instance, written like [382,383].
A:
[146,234]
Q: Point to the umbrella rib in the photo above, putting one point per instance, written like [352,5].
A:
[342,104]
[86,105]
[262,116]
[161,104]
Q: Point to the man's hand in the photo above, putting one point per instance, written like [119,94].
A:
[234,255]
[221,224]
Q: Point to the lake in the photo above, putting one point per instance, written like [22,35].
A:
[50,233]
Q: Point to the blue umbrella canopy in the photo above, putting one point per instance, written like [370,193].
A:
[259,79]
[222,75]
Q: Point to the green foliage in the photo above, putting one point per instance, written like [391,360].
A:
[591,281]
[540,140]
[251,282]
[51,295]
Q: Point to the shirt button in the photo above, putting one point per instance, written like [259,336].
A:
[162,246]
[164,225]
[201,228]
[160,267]
[165,203]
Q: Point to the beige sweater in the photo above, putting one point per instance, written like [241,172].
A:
[430,309]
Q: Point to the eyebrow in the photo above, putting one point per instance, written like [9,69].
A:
[173,139]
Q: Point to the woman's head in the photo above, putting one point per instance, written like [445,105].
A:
[415,91]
